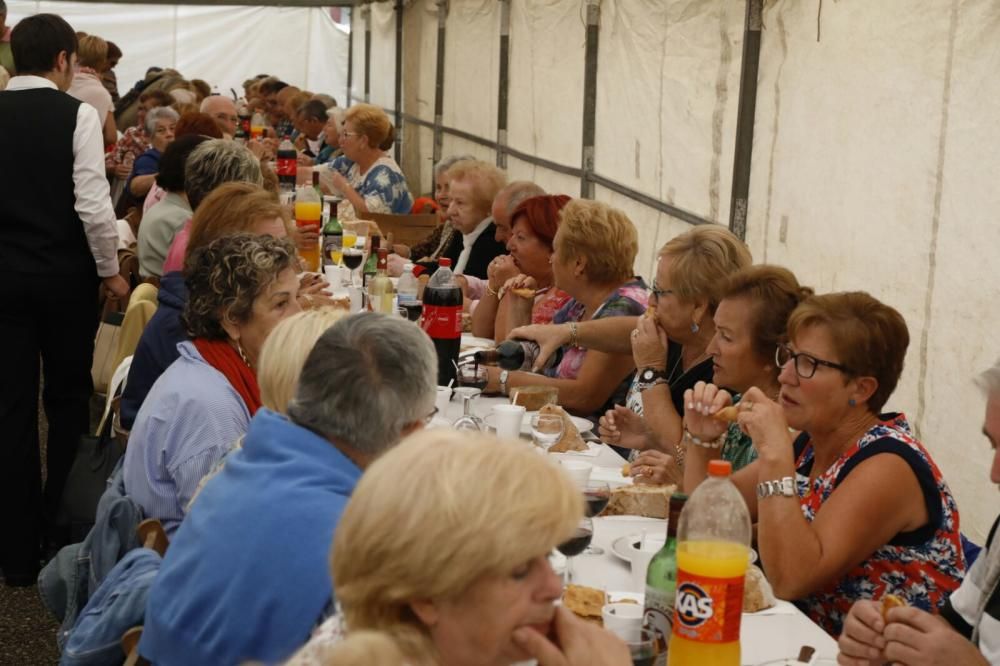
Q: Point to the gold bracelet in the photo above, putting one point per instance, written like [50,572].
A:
[491,292]
[574,339]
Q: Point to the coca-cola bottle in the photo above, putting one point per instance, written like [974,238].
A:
[287,165]
[442,318]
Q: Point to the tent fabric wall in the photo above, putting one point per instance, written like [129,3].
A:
[301,45]
[871,172]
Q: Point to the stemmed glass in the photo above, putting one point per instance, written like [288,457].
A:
[575,545]
[353,258]
[468,420]
[597,494]
[546,429]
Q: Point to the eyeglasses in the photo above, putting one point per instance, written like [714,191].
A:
[658,293]
[342,133]
[805,364]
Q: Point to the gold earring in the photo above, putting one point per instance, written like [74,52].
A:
[243,354]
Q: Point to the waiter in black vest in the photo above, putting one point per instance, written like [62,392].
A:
[58,242]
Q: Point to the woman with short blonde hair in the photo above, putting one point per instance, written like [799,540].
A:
[463,572]
[92,55]
[602,236]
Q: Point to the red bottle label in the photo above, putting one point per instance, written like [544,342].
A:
[442,321]
[286,166]
[707,610]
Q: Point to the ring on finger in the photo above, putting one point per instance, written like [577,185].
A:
[635,332]
[749,405]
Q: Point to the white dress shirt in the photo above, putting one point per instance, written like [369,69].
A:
[468,240]
[93,195]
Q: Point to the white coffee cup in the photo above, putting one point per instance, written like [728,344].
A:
[640,562]
[507,420]
[442,400]
[578,471]
[623,620]
[357,298]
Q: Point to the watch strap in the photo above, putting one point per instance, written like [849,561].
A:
[783,487]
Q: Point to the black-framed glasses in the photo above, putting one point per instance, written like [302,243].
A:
[805,364]
[658,293]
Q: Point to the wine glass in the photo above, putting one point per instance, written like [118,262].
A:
[472,374]
[468,420]
[546,429]
[575,545]
[597,494]
[353,258]
[643,650]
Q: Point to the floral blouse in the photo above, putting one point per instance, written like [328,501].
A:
[923,566]
[133,142]
[383,187]
[548,302]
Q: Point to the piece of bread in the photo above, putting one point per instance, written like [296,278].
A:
[571,439]
[640,500]
[890,601]
[727,414]
[755,597]
[533,398]
[586,602]
[524,293]
[651,311]
[626,470]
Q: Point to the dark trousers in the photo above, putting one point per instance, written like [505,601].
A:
[47,325]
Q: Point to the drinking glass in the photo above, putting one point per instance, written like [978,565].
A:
[353,258]
[575,545]
[644,650]
[472,374]
[597,494]
[468,420]
[546,429]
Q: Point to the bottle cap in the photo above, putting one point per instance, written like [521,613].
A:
[407,267]
[444,262]
[720,468]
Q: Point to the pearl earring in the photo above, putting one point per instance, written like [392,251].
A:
[695,327]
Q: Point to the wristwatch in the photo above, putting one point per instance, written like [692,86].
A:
[650,377]
[783,487]
[503,381]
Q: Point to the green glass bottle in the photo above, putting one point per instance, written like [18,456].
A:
[661,583]
[371,265]
[333,238]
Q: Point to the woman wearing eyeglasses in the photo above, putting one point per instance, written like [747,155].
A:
[852,507]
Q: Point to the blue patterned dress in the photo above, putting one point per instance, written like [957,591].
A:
[383,187]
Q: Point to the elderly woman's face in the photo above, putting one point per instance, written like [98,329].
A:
[532,256]
[277,302]
[475,629]
[330,132]
[819,402]
[463,212]
[673,314]
[164,133]
[734,362]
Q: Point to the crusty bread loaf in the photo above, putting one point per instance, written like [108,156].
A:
[640,500]
[755,597]
[533,398]
[584,601]
[571,439]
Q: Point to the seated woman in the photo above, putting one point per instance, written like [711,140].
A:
[134,140]
[164,219]
[534,225]
[593,254]
[231,209]
[160,125]
[853,507]
[369,179]
[240,287]
[463,577]
[190,123]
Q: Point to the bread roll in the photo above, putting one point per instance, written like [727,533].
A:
[755,591]
[584,601]
[571,439]
[640,500]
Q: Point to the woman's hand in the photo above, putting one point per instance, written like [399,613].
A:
[574,642]
[123,170]
[656,468]
[521,281]
[500,270]
[699,404]
[621,426]
[549,337]
[764,421]
[340,183]
[861,642]
[649,344]
[307,236]
[917,638]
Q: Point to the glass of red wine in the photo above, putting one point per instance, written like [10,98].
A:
[597,494]
[576,544]
[353,257]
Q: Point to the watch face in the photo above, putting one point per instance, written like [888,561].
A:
[648,375]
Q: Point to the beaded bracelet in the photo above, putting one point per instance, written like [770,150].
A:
[697,441]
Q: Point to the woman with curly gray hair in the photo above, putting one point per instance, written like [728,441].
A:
[239,288]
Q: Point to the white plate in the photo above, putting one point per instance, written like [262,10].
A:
[623,546]
[583,425]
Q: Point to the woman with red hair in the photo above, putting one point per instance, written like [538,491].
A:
[530,297]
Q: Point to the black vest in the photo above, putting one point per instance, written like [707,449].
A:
[40,231]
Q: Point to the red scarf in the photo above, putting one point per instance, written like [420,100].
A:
[220,355]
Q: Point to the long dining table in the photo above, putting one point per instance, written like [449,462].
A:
[767,636]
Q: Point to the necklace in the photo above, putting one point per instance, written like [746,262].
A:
[673,378]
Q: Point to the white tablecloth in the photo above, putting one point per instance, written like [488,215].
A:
[776,633]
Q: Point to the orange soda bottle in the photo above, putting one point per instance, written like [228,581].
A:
[713,553]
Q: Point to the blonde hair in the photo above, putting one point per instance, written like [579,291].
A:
[371,122]
[602,235]
[92,51]
[285,351]
[702,261]
[461,507]
[233,208]
[358,648]
[486,180]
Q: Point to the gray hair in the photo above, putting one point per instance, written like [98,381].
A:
[989,380]
[159,113]
[216,162]
[368,376]
[518,192]
[448,162]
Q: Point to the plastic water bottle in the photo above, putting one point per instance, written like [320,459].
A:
[442,318]
[713,553]
[406,288]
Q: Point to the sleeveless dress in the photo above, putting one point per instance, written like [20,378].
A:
[923,566]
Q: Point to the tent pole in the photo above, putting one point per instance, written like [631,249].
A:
[350,55]
[745,118]
[399,80]
[504,84]
[367,13]
[590,98]
[442,7]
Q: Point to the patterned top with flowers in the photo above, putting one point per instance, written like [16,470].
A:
[383,186]
[923,566]
[548,302]
[133,142]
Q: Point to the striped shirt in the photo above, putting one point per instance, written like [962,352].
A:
[190,419]
[974,608]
